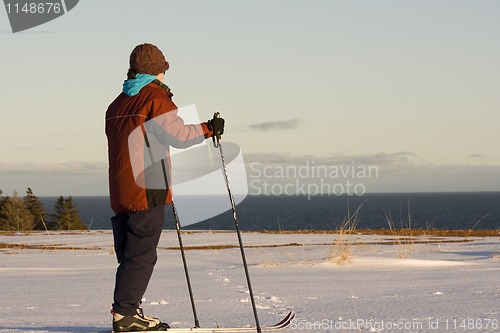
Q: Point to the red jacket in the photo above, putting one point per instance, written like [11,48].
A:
[124,115]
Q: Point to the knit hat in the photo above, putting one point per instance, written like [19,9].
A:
[148,59]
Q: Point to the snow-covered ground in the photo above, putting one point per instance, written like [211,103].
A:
[429,285]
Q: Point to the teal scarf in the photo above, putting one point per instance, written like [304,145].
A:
[131,87]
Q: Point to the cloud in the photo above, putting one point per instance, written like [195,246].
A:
[277,125]
[381,158]
[74,167]
[393,172]
[390,172]
[72,178]
[478,156]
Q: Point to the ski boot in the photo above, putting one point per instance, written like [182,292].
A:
[138,322]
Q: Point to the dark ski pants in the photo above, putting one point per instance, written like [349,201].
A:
[136,236]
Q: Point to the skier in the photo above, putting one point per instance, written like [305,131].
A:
[140,211]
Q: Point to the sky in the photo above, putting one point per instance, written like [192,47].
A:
[408,87]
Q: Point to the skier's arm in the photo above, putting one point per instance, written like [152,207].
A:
[170,128]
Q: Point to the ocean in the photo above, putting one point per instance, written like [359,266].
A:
[478,210]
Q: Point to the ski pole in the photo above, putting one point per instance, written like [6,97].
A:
[178,228]
[183,255]
[217,144]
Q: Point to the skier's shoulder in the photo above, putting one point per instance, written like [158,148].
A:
[160,97]
[157,89]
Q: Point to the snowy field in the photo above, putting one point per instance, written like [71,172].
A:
[64,283]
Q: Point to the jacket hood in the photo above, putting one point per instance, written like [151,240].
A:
[131,87]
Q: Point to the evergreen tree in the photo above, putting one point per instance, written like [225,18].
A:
[66,216]
[3,224]
[57,215]
[14,216]
[2,199]
[36,208]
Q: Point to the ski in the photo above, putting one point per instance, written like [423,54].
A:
[284,323]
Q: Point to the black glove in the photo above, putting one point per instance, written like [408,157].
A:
[217,125]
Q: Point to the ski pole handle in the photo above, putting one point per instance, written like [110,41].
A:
[216,133]
[217,116]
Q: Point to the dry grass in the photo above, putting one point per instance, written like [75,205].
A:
[226,247]
[401,232]
[344,246]
[404,237]
[381,232]
[45,247]
[341,251]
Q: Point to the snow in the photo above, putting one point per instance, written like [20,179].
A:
[429,285]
